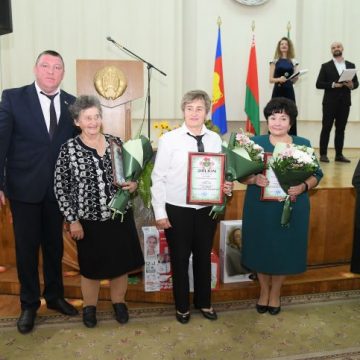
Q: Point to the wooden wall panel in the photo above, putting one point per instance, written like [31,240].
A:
[7,244]
[330,231]
[331,226]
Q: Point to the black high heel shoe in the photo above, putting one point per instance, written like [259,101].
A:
[274,310]
[262,309]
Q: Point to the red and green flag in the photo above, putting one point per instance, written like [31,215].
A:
[218,111]
[252,94]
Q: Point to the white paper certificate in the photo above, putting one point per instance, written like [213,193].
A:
[347,75]
[205,178]
[273,191]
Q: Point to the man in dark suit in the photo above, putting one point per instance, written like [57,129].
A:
[34,122]
[336,102]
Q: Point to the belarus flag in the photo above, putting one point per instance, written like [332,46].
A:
[252,94]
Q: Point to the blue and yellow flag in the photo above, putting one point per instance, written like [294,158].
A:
[218,115]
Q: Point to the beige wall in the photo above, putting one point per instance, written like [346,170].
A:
[179,37]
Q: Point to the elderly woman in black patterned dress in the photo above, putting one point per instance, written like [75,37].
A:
[84,184]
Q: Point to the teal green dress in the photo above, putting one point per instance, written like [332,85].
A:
[268,247]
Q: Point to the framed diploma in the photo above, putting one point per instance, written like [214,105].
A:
[205,178]
[273,191]
[117,163]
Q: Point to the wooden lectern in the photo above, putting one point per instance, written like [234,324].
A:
[94,74]
[116,83]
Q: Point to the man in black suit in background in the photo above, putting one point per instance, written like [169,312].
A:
[34,122]
[336,102]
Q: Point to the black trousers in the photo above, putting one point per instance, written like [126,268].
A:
[338,112]
[192,231]
[36,226]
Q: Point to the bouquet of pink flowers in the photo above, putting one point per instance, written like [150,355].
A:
[292,165]
[247,150]
[243,158]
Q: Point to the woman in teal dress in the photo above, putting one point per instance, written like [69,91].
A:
[269,249]
[281,68]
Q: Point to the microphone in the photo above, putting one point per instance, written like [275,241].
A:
[109,38]
[286,75]
[129,52]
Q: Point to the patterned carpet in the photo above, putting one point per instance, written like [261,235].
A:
[319,326]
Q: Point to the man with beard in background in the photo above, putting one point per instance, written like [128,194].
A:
[336,101]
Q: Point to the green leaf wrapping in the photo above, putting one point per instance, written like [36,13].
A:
[145,184]
[135,155]
[236,167]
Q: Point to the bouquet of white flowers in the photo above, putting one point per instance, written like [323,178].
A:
[292,165]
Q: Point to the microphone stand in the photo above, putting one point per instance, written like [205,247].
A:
[149,66]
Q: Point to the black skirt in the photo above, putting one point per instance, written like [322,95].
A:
[109,248]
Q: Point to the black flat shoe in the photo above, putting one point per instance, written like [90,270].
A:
[183,318]
[89,316]
[342,158]
[121,313]
[274,310]
[209,314]
[62,306]
[262,309]
[26,321]
[324,158]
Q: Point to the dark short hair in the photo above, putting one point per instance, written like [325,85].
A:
[49,52]
[281,105]
[84,102]
[192,95]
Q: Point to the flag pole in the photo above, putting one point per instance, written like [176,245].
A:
[218,109]
[252,126]
[253,31]
[288,27]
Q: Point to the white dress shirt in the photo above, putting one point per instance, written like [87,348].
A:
[45,105]
[340,65]
[169,176]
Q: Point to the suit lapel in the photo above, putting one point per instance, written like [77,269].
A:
[64,112]
[334,70]
[347,65]
[38,116]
